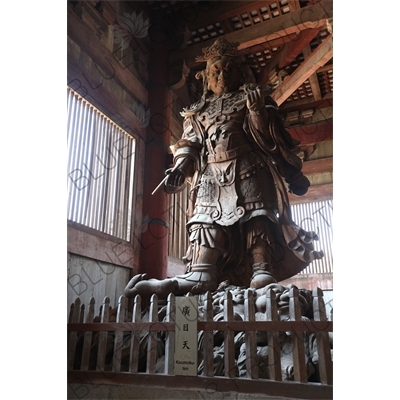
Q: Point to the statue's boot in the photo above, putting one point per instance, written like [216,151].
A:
[261,276]
[139,284]
[202,278]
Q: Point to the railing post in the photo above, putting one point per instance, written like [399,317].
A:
[87,340]
[82,313]
[299,356]
[324,352]
[229,359]
[135,339]
[101,353]
[274,348]
[73,337]
[208,338]
[170,336]
[119,335]
[152,342]
[250,337]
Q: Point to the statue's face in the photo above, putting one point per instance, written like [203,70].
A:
[223,75]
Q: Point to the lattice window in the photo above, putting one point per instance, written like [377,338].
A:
[101,158]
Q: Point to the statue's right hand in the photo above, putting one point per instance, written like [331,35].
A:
[176,178]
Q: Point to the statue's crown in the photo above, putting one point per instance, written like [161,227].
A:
[221,47]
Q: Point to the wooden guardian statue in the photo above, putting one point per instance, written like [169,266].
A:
[241,163]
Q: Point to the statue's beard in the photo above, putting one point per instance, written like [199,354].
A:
[222,87]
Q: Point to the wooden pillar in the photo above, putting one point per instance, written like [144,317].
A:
[154,239]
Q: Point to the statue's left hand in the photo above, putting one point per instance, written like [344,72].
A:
[255,99]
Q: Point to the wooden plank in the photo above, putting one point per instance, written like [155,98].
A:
[229,347]
[325,68]
[136,225]
[170,336]
[114,251]
[319,57]
[87,339]
[250,337]
[101,352]
[299,357]
[73,335]
[313,79]
[221,384]
[81,314]
[118,341]
[71,313]
[318,166]
[308,17]
[312,133]
[93,90]
[135,335]
[306,104]
[315,193]
[152,338]
[288,53]
[208,352]
[274,348]
[81,34]
[325,365]
[235,326]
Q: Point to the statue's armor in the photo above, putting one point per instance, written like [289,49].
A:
[235,174]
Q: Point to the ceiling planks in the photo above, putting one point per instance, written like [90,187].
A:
[309,17]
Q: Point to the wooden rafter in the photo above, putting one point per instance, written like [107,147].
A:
[309,17]
[325,68]
[313,79]
[315,193]
[318,166]
[312,133]
[319,57]
[288,53]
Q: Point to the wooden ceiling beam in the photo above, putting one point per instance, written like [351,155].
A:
[318,166]
[288,53]
[309,17]
[312,133]
[325,68]
[315,193]
[304,104]
[302,40]
[319,57]
[313,79]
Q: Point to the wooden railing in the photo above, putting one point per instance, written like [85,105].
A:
[137,347]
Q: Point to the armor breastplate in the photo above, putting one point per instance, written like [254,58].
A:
[222,119]
[220,107]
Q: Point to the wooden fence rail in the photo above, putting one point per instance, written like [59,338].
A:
[136,346]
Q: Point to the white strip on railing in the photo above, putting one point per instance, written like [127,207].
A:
[101,158]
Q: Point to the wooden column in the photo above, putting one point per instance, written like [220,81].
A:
[154,240]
